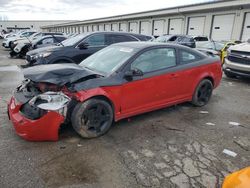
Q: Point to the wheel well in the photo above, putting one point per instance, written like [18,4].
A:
[210,78]
[102,97]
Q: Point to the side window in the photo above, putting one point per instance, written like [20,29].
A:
[173,38]
[47,41]
[119,38]
[155,59]
[96,40]
[188,57]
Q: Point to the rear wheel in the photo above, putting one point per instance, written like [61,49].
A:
[92,118]
[202,93]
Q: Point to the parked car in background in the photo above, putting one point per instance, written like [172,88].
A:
[9,41]
[237,62]
[216,48]
[34,36]
[21,47]
[76,49]
[212,48]
[186,40]
[118,82]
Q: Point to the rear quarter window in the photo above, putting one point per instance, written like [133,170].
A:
[188,57]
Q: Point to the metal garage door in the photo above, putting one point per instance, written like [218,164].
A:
[175,26]
[246,29]
[158,27]
[222,27]
[95,28]
[133,27]
[123,27]
[196,26]
[114,27]
[107,27]
[101,27]
[89,28]
[85,29]
[145,28]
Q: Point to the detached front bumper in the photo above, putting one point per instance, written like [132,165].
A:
[43,129]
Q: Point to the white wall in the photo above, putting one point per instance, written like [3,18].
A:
[34,25]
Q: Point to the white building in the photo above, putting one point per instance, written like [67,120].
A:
[219,20]
[23,24]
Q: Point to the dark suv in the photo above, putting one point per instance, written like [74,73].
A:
[76,49]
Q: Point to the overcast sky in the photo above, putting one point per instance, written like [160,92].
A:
[80,9]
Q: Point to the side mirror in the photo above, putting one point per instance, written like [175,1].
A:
[131,73]
[83,46]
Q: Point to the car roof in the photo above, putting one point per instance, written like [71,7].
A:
[142,45]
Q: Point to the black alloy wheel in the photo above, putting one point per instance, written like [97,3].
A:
[203,93]
[92,118]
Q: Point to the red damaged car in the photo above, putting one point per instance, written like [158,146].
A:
[120,81]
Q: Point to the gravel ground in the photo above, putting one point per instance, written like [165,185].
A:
[180,146]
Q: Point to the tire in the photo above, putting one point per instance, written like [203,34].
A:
[203,93]
[92,118]
[229,75]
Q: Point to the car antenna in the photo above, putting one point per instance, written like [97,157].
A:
[57,40]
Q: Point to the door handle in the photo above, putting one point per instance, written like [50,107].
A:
[174,75]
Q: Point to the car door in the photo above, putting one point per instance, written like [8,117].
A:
[89,46]
[156,87]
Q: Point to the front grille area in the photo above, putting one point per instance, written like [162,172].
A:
[239,59]
[240,53]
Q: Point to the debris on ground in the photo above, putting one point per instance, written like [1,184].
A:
[174,129]
[234,123]
[204,112]
[229,152]
[62,147]
[209,123]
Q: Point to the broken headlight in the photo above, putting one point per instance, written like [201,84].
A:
[53,101]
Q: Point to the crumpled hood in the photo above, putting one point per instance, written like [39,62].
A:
[45,49]
[59,74]
[244,47]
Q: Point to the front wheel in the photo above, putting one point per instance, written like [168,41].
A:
[202,93]
[92,118]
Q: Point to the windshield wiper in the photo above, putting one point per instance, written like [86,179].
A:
[94,70]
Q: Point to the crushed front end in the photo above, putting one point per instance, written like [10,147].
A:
[37,110]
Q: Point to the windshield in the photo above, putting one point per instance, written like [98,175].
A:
[163,38]
[73,40]
[108,59]
[207,45]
